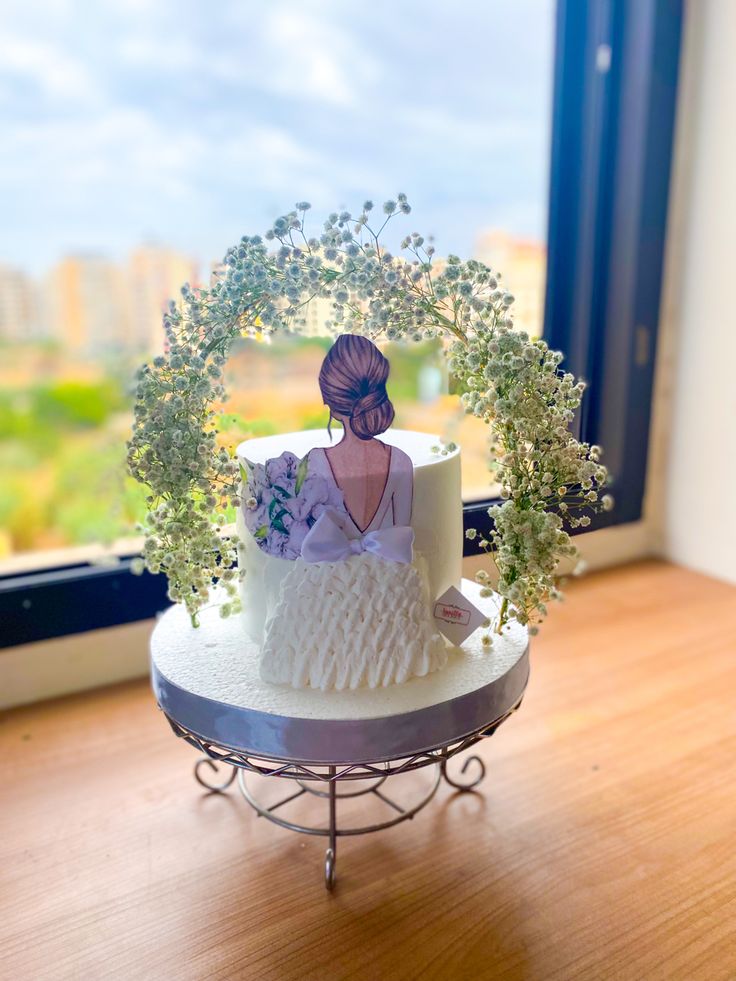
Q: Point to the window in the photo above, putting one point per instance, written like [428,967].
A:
[614,113]
[129,172]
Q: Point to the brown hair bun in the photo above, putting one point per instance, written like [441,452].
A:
[353,384]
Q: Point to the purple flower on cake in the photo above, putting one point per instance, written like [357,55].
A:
[316,494]
[255,484]
[281,500]
[276,543]
[282,469]
[291,546]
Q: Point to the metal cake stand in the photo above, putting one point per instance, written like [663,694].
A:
[334,758]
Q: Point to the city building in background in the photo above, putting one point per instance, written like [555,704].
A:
[523,264]
[86,305]
[92,305]
[155,275]
[20,314]
[316,314]
[521,261]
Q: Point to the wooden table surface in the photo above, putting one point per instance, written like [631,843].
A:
[602,844]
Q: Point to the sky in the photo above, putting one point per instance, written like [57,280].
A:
[191,124]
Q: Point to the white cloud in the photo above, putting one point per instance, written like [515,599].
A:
[52,9]
[299,50]
[313,55]
[466,134]
[290,50]
[120,152]
[176,55]
[271,144]
[152,114]
[129,153]
[55,73]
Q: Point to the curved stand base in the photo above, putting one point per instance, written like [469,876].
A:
[403,814]
[332,831]
[322,780]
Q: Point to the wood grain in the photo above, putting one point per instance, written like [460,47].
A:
[602,846]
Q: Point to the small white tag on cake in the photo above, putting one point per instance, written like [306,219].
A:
[456,617]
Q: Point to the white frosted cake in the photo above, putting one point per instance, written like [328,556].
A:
[349,609]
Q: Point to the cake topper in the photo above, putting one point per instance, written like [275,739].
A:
[348,498]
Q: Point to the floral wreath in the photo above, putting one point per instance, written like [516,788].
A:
[548,478]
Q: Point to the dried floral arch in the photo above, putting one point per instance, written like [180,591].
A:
[549,480]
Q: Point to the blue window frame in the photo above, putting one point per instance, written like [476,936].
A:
[614,97]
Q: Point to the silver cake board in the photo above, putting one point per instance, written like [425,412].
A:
[206,682]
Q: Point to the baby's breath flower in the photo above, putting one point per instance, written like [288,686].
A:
[511,382]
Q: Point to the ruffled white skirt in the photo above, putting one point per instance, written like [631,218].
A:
[362,621]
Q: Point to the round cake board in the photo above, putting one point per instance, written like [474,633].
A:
[206,679]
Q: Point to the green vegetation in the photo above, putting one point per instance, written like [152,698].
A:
[237,424]
[78,405]
[62,455]
[62,440]
[51,410]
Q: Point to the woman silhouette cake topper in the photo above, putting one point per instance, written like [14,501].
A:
[335,500]
[354,609]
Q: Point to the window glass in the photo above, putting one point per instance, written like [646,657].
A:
[141,140]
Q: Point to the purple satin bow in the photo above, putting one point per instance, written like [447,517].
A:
[327,542]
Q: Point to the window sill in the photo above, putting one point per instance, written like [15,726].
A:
[41,605]
[78,662]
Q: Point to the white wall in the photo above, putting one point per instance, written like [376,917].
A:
[697,517]
[48,668]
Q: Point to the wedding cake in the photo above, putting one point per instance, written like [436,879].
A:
[347,543]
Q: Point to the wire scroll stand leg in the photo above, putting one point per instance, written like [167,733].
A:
[464,786]
[214,785]
[331,853]
[204,780]
[306,780]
